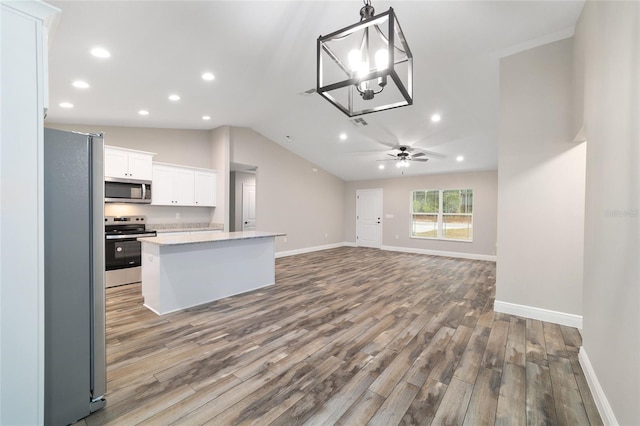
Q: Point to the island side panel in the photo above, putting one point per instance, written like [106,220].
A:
[151,276]
[193,274]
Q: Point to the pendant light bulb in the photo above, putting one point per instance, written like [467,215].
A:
[355,60]
[382,59]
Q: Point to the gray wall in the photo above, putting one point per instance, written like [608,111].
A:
[396,231]
[541,178]
[607,55]
[290,196]
[219,139]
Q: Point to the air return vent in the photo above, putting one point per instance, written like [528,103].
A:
[359,122]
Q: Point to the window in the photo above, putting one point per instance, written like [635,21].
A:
[444,214]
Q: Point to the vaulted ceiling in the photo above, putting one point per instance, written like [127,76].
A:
[262,54]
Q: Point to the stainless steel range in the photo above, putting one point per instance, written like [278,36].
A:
[123,258]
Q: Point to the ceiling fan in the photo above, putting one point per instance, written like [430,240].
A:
[405,156]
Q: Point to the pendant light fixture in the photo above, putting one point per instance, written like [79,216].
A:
[366,67]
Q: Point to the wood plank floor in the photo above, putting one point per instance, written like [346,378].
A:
[347,336]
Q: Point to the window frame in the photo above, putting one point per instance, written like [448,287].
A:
[440,214]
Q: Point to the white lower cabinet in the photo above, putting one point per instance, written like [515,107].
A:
[183,186]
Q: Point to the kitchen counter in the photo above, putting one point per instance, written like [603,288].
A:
[207,237]
[181,271]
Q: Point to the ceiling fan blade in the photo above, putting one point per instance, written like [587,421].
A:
[388,159]
[372,129]
[429,153]
[392,155]
[418,154]
[422,160]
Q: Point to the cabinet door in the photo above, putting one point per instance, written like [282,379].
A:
[163,188]
[205,189]
[184,187]
[115,163]
[140,166]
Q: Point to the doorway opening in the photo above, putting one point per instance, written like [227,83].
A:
[242,197]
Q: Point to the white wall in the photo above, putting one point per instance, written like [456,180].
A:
[607,52]
[290,196]
[396,201]
[541,179]
[22,206]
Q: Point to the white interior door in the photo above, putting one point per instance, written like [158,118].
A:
[369,218]
[248,207]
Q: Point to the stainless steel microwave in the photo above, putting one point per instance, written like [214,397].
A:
[127,191]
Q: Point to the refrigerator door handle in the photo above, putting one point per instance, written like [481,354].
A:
[99,362]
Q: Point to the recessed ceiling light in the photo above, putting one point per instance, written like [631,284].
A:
[208,76]
[381,166]
[436,118]
[206,117]
[343,136]
[459,158]
[79,84]
[100,52]
[174,97]
[143,112]
[66,104]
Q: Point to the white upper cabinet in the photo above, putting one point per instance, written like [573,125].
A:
[183,186]
[127,164]
[163,187]
[205,188]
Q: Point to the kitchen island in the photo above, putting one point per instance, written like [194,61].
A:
[181,271]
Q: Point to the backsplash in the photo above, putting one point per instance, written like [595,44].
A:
[161,214]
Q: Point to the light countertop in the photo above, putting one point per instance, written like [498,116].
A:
[207,237]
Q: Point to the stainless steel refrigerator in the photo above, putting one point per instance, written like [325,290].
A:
[75,349]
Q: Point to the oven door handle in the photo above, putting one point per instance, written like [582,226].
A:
[130,236]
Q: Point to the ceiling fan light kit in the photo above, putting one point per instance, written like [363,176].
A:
[366,67]
[403,157]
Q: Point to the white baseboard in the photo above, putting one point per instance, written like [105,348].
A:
[312,249]
[471,256]
[604,408]
[541,314]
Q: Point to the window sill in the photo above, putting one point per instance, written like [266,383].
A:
[440,239]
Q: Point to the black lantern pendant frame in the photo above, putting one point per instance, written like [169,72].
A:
[352,82]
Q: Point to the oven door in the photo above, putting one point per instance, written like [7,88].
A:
[122,253]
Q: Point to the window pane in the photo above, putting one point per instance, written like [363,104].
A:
[457,227]
[457,201]
[424,225]
[425,201]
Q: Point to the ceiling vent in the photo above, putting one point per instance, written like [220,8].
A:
[359,122]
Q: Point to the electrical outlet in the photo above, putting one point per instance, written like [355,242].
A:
[397,237]
[326,235]
[177,215]
[285,239]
